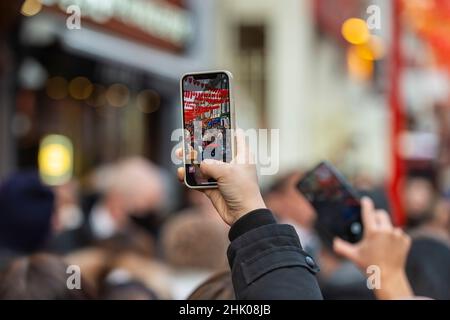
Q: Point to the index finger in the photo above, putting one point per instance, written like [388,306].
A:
[368,214]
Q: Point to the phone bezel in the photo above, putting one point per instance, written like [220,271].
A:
[232,118]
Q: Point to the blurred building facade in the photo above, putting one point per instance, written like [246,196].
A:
[112,86]
[295,79]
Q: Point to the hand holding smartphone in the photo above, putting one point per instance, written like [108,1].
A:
[208,121]
[336,203]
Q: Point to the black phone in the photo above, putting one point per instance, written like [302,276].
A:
[336,202]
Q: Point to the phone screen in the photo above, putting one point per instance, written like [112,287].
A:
[336,203]
[207,123]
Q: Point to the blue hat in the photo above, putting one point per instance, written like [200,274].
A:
[26,208]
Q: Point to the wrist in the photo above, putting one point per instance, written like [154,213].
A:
[394,286]
[392,275]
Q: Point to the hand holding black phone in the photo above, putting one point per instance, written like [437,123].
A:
[336,203]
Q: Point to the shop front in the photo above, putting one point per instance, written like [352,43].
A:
[108,84]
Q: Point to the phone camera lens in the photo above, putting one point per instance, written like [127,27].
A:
[356,228]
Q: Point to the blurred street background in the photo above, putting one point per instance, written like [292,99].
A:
[92,107]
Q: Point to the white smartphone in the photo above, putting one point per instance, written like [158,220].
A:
[208,122]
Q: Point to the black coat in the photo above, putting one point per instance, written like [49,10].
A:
[268,262]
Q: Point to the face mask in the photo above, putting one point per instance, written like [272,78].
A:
[150,220]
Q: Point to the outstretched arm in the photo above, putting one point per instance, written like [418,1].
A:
[266,259]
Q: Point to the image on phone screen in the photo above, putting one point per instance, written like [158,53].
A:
[336,203]
[207,120]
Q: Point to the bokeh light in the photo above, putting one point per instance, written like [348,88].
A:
[97,97]
[55,160]
[80,88]
[31,7]
[118,95]
[56,88]
[355,31]
[359,69]
[148,101]
[373,50]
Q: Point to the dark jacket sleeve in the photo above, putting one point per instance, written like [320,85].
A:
[268,262]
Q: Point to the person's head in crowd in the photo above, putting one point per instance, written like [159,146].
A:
[438,227]
[287,202]
[218,287]
[26,208]
[201,203]
[428,213]
[132,187]
[40,277]
[119,285]
[136,187]
[428,268]
[419,201]
[93,262]
[138,242]
[193,241]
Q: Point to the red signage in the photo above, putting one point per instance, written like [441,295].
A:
[331,14]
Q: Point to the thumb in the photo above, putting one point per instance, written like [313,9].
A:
[345,249]
[213,168]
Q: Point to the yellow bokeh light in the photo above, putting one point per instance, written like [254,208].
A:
[80,88]
[55,160]
[364,52]
[373,50]
[359,69]
[118,95]
[148,101]
[31,7]
[355,31]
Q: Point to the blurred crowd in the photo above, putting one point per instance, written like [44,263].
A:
[115,227]
[120,228]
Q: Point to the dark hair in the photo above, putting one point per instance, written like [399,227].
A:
[39,277]
[218,287]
